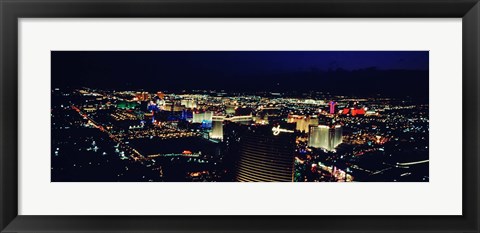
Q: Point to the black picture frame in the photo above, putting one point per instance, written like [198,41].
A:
[12,10]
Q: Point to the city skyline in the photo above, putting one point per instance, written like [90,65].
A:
[161,130]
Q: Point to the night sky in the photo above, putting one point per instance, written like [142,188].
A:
[395,73]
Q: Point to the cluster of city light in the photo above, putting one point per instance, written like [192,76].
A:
[322,125]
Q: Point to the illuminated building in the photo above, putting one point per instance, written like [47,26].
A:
[325,137]
[243,120]
[318,136]
[332,107]
[270,111]
[359,111]
[142,96]
[206,124]
[262,120]
[354,111]
[172,107]
[160,103]
[311,121]
[152,106]
[294,119]
[269,115]
[264,153]
[149,116]
[127,105]
[89,108]
[188,103]
[217,129]
[230,109]
[243,111]
[160,95]
[303,123]
[371,113]
[217,124]
[199,117]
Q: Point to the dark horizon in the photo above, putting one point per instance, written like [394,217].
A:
[368,73]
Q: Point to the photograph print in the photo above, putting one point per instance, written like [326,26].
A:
[239,116]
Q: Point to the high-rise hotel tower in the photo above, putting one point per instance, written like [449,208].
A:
[326,137]
[264,153]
